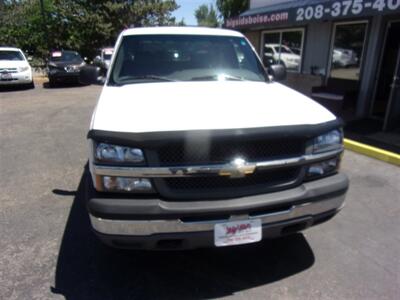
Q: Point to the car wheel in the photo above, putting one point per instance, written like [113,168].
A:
[31,85]
[52,82]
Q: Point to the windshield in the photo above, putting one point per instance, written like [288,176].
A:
[66,56]
[146,58]
[107,56]
[11,55]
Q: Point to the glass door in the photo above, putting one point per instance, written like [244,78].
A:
[392,118]
[387,71]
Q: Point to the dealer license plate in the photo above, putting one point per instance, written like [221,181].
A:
[237,232]
[6,76]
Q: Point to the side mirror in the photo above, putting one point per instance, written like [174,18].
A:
[90,75]
[267,62]
[29,58]
[278,72]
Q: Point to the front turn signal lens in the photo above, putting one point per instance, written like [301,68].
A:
[127,184]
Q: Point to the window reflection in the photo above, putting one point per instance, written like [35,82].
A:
[283,47]
[347,51]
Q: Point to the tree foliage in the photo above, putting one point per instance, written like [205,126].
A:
[232,8]
[206,16]
[83,25]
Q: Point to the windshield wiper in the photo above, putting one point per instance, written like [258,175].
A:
[216,77]
[132,79]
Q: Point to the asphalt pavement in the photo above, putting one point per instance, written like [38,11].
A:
[47,250]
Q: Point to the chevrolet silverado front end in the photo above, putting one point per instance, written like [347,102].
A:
[192,144]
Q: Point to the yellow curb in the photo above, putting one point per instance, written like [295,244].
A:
[377,153]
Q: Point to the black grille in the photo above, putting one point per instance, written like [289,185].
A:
[209,152]
[218,186]
[212,150]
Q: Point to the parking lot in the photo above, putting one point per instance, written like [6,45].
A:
[49,252]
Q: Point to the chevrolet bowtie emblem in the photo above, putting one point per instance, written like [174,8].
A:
[238,168]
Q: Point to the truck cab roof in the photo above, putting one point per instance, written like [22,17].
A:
[181,30]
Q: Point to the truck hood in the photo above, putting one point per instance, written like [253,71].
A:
[181,106]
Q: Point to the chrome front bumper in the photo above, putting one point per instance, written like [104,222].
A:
[150,227]
[156,223]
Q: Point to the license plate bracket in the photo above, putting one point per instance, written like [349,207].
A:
[237,232]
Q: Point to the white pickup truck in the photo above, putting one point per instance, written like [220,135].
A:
[194,144]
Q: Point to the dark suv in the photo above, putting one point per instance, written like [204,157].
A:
[64,66]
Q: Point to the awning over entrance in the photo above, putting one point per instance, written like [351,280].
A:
[301,11]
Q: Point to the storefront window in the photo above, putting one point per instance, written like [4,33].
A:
[283,47]
[347,51]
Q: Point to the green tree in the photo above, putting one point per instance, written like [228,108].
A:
[83,25]
[231,8]
[180,23]
[21,25]
[90,24]
[206,16]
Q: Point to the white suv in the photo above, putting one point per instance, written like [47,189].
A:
[14,68]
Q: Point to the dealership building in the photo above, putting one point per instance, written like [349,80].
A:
[344,54]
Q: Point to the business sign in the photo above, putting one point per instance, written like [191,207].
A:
[327,10]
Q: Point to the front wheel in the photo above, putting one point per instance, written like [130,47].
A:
[52,82]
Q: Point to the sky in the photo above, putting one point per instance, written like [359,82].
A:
[187,8]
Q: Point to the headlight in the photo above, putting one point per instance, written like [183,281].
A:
[327,142]
[23,69]
[113,153]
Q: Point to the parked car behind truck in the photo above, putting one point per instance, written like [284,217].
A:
[104,59]
[281,54]
[344,58]
[15,68]
[64,66]
[192,144]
